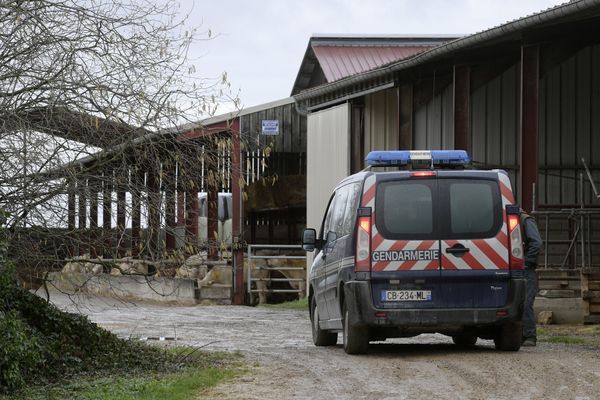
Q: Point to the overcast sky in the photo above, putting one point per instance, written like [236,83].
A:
[260,43]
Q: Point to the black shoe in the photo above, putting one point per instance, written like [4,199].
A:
[529,342]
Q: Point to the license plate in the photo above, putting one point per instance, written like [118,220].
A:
[406,295]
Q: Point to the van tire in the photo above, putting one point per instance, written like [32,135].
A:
[465,341]
[355,338]
[509,337]
[320,336]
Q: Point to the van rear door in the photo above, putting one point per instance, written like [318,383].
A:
[405,269]
[474,242]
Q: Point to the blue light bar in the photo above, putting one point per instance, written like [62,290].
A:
[439,158]
[388,158]
[450,157]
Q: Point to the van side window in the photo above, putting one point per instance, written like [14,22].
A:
[340,210]
[327,223]
[351,204]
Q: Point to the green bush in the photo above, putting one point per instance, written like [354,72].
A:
[19,352]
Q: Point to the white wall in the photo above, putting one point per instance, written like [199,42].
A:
[328,160]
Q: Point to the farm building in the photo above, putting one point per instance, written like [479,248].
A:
[523,96]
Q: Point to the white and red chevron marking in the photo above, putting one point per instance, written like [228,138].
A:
[368,197]
[505,189]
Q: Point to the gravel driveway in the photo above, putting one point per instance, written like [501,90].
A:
[284,363]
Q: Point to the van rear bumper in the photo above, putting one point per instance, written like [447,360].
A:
[360,305]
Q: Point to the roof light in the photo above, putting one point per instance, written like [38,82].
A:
[439,158]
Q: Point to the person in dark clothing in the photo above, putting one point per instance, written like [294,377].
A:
[532,245]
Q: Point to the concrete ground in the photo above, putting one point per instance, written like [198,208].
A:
[283,363]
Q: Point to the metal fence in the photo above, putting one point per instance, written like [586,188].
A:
[279,248]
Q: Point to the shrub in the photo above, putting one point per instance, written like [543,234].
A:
[19,352]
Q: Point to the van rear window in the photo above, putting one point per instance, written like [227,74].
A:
[471,207]
[444,208]
[405,209]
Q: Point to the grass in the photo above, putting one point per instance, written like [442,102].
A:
[205,370]
[581,335]
[301,304]
[565,340]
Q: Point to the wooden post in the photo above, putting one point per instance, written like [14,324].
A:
[357,145]
[212,204]
[81,189]
[71,218]
[169,185]
[153,206]
[93,234]
[462,101]
[530,71]
[137,178]
[191,221]
[107,213]
[237,215]
[405,115]
[121,204]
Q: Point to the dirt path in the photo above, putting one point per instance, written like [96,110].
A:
[284,364]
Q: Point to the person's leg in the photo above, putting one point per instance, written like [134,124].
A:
[529,330]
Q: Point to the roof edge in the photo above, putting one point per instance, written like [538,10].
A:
[554,13]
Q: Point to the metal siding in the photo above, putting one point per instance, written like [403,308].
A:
[595,106]
[478,124]
[328,160]
[448,118]
[542,191]
[493,121]
[381,115]
[553,115]
[434,122]
[434,125]
[569,125]
[567,131]
[509,120]
[420,128]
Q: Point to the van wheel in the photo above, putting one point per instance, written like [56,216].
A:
[509,336]
[320,337]
[465,341]
[356,338]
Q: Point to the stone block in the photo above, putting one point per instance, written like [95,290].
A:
[545,317]
[564,310]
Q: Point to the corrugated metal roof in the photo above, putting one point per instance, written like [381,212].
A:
[347,55]
[568,11]
[338,62]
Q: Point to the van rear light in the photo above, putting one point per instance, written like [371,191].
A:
[363,244]
[515,241]
[422,174]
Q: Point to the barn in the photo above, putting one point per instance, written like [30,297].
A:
[523,96]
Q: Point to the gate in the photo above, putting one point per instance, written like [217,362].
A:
[279,248]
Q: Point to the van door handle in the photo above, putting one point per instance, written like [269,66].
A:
[457,250]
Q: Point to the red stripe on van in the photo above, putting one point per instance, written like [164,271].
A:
[397,246]
[424,245]
[506,192]
[484,246]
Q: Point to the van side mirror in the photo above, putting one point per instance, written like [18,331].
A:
[309,239]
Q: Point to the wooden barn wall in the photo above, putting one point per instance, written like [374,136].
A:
[569,128]
[495,123]
[381,121]
[292,129]
[288,155]
[434,123]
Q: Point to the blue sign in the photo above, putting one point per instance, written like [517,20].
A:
[270,127]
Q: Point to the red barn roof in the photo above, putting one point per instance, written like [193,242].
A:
[330,58]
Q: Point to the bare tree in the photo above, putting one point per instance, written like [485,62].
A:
[88,90]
